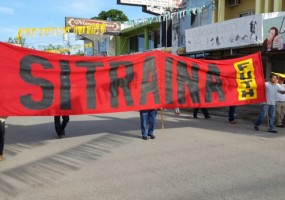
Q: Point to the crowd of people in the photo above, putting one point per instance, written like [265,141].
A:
[275,104]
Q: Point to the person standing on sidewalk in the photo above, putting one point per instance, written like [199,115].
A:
[271,89]
[280,103]
[60,126]
[148,120]
[2,136]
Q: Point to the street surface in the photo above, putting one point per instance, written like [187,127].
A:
[103,157]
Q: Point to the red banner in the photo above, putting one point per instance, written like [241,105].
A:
[39,83]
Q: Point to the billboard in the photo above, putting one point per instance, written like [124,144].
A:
[112,27]
[231,33]
[156,3]
[274,34]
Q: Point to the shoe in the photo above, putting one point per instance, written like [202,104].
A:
[280,126]
[63,132]
[1,158]
[59,136]
[256,128]
[208,117]
[195,117]
[272,131]
[144,137]
[176,113]
[233,122]
[151,136]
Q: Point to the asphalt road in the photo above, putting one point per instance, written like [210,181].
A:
[103,157]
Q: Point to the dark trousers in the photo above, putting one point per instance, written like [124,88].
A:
[204,111]
[232,113]
[60,126]
[2,136]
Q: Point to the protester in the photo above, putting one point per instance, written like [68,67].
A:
[272,89]
[60,126]
[2,136]
[232,114]
[280,103]
[148,120]
[204,111]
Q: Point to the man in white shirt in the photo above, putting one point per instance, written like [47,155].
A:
[268,108]
[280,103]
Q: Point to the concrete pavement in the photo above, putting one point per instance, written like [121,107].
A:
[102,157]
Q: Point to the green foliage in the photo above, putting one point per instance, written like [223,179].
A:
[112,15]
[20,41]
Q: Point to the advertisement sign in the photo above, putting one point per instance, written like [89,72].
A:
[156,3]
[111,26]
[274,34]
[231,33]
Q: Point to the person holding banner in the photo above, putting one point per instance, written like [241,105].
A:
[268,108]
[148,120]
[176,111]
[280,103]
[232,114]
[204,111]
[60,126]
[2,136]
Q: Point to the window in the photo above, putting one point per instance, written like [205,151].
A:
[137,42]
[153,39]
[200,19]
[247,13]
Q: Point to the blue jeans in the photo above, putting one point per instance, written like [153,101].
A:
[262,115]
[147,119]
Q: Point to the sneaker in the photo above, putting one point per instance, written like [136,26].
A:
[208,117]
[59,136]
[1,158]
[280,126]
[233,122]
[144,137]
[256,128]
[152,136]
[272,131]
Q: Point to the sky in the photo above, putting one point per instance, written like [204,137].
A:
[15,14]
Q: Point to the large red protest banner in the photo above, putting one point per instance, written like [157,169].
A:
[38,83]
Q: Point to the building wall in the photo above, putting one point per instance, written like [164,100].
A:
[244,6]
[223,12]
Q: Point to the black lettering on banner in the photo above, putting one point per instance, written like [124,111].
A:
[65,96]
[149,69]
[192,83]
[245,80]
[213,84]
[168,80]
[47,87]
[90,80]
[124,83]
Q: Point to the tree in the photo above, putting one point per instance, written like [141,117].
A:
[112,15]
[17,40]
